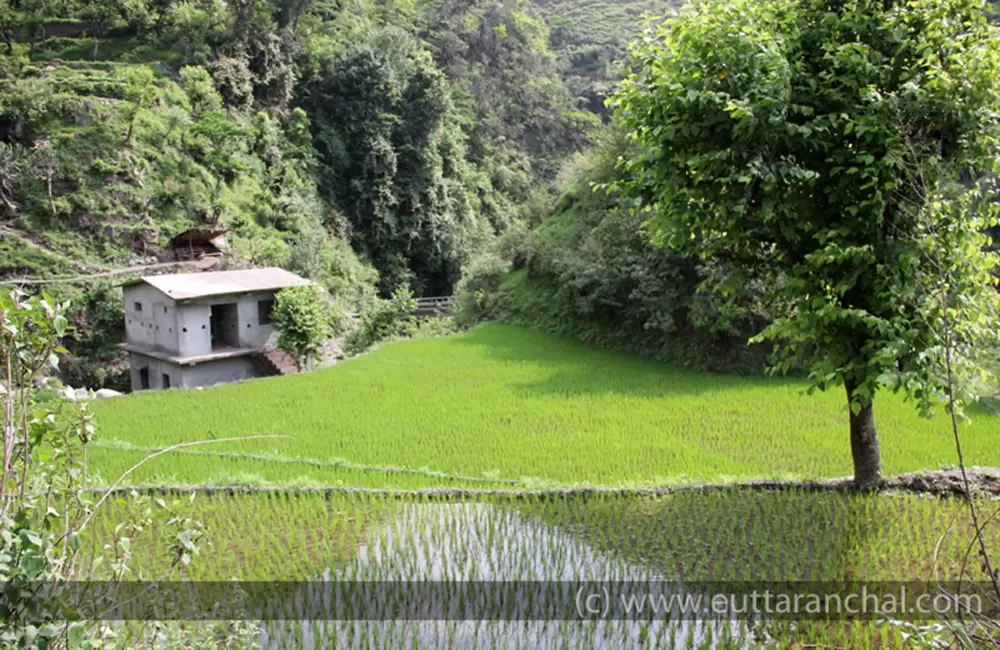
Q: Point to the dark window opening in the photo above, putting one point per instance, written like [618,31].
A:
[144,378]
[164,310]
[137,306]
[222,325]
[166,380]
[264,309]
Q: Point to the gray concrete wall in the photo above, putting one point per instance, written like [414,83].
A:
[219,372]
[252,333]
[195,336]
[157,369]
[207,373]
[184,329]
[150,325]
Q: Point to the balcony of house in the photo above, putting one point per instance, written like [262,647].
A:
[217,353]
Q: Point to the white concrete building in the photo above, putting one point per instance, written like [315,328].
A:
[199,329]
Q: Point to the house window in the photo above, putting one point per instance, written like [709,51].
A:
[166,380]
[264,309]
[137,306]
[144,378]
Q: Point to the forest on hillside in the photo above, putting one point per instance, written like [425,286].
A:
[370,145]
[367,145]
[415,132]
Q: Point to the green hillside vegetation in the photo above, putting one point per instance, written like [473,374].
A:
[591,38]
[590,270]
[502,403]
[369,146]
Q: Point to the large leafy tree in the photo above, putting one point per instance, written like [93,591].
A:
[394,162]
[806,138]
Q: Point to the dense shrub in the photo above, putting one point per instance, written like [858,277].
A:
[477,295]
[305,318]
[382,319]
[593,273]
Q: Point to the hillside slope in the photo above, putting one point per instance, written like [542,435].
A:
[589,36]
[368,147]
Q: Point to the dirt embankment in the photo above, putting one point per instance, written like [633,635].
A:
[984,480]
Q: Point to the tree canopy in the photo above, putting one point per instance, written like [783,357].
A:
[304,318]
[809,140]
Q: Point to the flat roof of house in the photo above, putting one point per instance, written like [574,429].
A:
[185,286]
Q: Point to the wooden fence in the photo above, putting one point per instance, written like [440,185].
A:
[433,306]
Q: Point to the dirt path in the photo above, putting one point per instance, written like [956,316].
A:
[198,265]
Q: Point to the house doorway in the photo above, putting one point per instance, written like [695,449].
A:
[224,326]
[143,378]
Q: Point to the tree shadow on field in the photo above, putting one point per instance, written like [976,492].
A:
[809,542]
[574,368]
[733,534]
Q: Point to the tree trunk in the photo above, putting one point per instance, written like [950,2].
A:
[131,126]
[48,186]
[864,442]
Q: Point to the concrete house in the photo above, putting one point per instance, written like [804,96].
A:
[199,329]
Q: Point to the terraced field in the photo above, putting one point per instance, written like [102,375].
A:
[502,407]
[368,555]
[506,408]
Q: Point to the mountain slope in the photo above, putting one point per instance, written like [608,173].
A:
[590,36]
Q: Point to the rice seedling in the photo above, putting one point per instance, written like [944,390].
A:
[507,405]
[503,408]
[471,551]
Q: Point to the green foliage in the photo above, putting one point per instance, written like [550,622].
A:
[416,131]
[20,260]
[591,36]
[382,319]
[503,402]
[94,359]
[522,117]
[45,512]
[304,318]
[477,293]
[591,272]
[390,138]
[810,142]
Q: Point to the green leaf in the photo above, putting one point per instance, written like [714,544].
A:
[75,635]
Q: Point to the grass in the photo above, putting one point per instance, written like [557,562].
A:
[724,535]
[503,402]
[243,535]
[20,259]
[731,535]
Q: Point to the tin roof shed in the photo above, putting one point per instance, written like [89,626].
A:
[187,286]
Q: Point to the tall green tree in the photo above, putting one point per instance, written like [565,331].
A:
[394,157]
[221,141]
[805,137]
